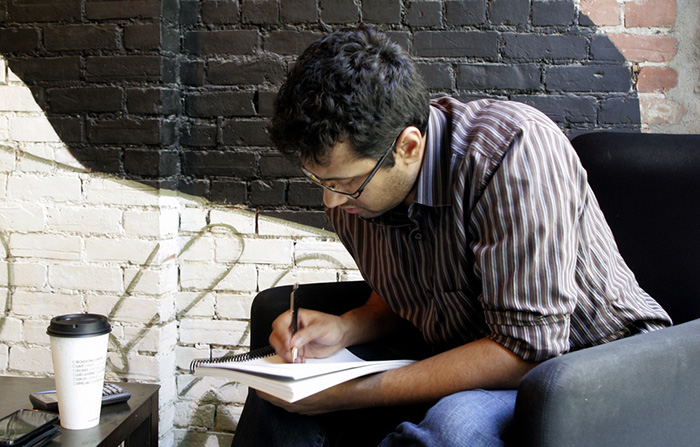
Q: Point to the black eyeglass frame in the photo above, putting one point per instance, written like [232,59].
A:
[354,195]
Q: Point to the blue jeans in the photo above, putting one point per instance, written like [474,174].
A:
[475,418]
[468,419]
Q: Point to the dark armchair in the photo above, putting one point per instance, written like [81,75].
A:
[643,390]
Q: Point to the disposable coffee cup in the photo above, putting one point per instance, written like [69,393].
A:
[79,352]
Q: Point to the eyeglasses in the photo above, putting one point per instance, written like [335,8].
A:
[331,187]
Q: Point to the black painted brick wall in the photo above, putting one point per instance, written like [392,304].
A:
[178,94]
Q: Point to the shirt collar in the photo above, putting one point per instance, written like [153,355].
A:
[432,188]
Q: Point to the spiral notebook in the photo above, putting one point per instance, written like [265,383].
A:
[265,371]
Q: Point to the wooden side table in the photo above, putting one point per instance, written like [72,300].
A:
[134,422]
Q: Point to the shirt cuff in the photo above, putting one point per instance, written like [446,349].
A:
[530,336]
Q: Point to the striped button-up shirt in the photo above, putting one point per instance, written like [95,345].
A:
[504,239]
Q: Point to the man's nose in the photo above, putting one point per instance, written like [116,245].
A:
[332,199]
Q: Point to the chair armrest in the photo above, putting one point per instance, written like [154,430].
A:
[642,391]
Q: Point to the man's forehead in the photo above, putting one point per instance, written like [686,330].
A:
[336,164]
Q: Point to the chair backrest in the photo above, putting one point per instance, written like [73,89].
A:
[648,186]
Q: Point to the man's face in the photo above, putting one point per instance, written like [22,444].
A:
[388,188]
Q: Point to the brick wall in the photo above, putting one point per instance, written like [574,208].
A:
[647,35]
[177,94]
[136,173]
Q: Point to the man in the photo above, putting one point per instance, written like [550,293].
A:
[474,222]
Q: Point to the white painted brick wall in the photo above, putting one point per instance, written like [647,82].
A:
[29,217]
[31,359]
[130,309]
[99,249]
[203,275]
[15,98]
[104,190]
[8,155]
[271,277]
[322,254]
[257,251]
[163,223]
[45,246]
[36,188]
[233,306]
[32,158]
[241,278]
[156,339]
[34,331]
[4,356]
[4,129]
[27,274]
[216,332]
[204,304]
[185,354]
[193,219]
[145,367]
[242,221]
[84,219]
[86,277]
[152,281]
[191,387]
[45,304]
[4,275]
[176,275]
[32,129]
[11,330]
[200,250]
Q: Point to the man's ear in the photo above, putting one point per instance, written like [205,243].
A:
[410,145]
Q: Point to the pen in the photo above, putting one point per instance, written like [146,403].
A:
[294,307]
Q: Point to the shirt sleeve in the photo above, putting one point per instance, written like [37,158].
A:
[526,242]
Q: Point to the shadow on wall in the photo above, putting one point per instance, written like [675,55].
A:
[178,95]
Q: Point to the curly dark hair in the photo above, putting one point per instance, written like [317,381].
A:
[352,84]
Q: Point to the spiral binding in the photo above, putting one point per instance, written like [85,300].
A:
[267,351]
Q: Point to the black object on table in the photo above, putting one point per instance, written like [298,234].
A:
[134,422]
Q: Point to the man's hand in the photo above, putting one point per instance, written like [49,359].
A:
[319,335]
